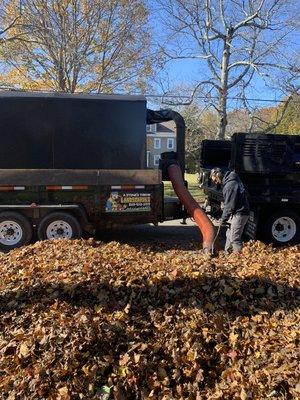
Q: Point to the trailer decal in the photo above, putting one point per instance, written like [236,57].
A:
[128,202]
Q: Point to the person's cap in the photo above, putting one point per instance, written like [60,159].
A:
[216,172]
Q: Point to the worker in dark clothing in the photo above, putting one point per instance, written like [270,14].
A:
[236,207]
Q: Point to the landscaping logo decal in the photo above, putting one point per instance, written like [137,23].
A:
[128,202]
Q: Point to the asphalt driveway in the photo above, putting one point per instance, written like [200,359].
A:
[168,235]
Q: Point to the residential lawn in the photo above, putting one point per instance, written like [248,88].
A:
[193,187]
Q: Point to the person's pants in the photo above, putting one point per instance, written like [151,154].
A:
[234,232]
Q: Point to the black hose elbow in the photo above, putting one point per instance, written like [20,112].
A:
[167,159]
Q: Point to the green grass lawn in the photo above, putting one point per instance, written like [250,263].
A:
[193,187]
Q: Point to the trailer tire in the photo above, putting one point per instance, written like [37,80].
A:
[15,230]
[283,228]
[59,225]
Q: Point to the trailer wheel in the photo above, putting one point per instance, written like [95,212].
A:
[283,228]
[59,225]
[15,230]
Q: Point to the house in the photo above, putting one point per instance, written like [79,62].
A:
[160,138]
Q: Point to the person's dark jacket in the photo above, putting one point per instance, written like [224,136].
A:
[235,198]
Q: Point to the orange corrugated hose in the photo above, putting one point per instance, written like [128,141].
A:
[205,225]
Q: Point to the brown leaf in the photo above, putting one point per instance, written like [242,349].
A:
[24,350]
[243,394]
[232,354]
[124,360]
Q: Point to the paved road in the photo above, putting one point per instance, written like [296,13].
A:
[169,234]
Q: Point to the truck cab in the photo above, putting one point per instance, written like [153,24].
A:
[269,167]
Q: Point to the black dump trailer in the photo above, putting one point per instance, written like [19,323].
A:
[75,163]
[51,131]
[269,166]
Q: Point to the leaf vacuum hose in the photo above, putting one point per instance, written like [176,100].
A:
[195,211]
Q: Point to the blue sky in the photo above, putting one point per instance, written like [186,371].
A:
[187,72]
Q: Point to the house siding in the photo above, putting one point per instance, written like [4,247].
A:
[164,131]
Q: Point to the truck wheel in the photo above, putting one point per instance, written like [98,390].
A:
[283,228]
[59,225]
[15,230]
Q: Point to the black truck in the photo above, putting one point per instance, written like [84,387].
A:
[74,163]
[269,166]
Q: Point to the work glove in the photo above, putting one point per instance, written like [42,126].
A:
[224,223]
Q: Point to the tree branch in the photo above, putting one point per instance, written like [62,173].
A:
[250,18]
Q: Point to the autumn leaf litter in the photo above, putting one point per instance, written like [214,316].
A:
[88,320]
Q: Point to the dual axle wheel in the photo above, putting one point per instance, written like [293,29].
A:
[16,230]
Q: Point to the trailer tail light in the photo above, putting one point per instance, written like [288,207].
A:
[76,187]
[11,188]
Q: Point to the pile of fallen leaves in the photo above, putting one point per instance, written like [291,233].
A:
[88,320]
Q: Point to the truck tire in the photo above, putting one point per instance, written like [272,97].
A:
[15,230]
[59,225]
[283,228]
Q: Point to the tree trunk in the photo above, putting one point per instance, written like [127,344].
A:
[223,92]
[222,114]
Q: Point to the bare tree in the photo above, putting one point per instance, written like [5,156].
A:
[235,41]
[71,45]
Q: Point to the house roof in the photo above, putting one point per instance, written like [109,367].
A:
[167,127]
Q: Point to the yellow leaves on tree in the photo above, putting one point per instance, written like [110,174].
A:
[79,45]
